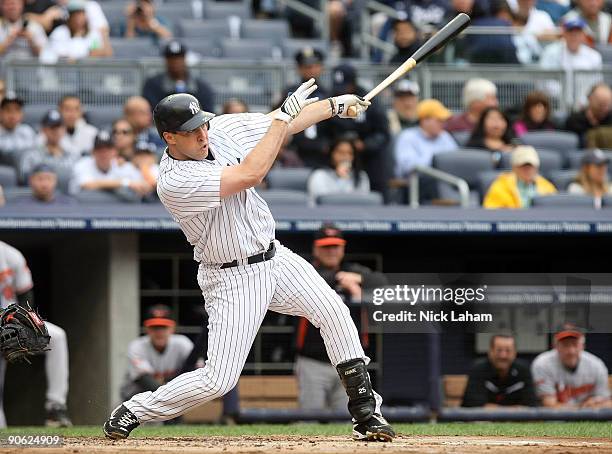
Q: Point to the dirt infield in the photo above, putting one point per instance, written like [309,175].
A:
[334,445]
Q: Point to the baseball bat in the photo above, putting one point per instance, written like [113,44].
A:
[437,41]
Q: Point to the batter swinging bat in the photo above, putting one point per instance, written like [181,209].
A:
[443,36]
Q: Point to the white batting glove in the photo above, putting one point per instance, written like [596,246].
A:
[341,104]
[296,101]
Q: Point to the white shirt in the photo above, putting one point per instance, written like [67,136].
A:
[413,148]
[20,47]
[86,170]
[604,25]
[63,45]
[539,22]
[220,230]
[95,17]
[83,137]
[557,56]
[144,359]
[327,181]
[13,143]
[15,276]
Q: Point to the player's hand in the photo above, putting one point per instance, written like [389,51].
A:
[343,102]
[296,101]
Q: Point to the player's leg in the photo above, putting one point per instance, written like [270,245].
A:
[302,291]
[56,368]
[236,301]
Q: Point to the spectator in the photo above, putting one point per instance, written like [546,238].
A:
[19,37]
[50,150]
[15,137]
[145,160]
[569,377]
[593,176]
[418,145]
[597,113]
[45,12]
[141,21]
[2,199]
[404,112]
[535,115]
[75,40]
[424,14]
[43,183]
[599,137]
[319,385]
[516,189]
[137,111]
[234,106]
[96,20]
[500,380]
[537,22]
[599,23]
[177,79]
[124,138]
[102,171]
[80,134]
[492,48]
[157,357]
[406,40]
[478,94]
[339,27]
[16,287]
[344,174]
[493,132]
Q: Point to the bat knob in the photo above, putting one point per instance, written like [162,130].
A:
[351,111]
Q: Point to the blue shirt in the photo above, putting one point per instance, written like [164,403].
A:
[414,148]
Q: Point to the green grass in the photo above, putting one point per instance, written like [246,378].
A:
[528,429]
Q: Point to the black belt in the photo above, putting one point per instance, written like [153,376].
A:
[260,257]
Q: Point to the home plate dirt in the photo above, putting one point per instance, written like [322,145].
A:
[333,445]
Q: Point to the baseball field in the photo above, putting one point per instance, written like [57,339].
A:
[550,438]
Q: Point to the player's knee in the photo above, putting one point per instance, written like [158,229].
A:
[222,385]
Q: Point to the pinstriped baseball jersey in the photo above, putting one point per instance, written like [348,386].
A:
[219,230]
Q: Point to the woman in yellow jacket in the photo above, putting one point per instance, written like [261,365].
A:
[517,189]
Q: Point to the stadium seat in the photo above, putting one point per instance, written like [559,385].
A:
[16,193]
[250,49]
[561,141]
[221,10]
[8,176]
[606,53]
[133,48]
[372,198]
[276,31]
[485,180]
[562,178]
[34,113]
[289,178]
[607,203]
[174,12]
[97,197]
[563,200]
[195,28]
[284,197]
[293,46]
[205,48]
[114,10]
[550,161]
[461,137]
[102,117]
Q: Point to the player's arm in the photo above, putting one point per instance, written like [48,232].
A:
[258,162]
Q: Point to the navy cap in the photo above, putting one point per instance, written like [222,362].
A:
[11,98]
[595,156]
[309,56]
[142,146]
[343,76]
[174,48]
[52,119]
[104,140]
[42,167]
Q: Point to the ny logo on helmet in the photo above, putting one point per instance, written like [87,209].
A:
[194,107]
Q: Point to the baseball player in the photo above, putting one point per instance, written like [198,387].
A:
[207,175]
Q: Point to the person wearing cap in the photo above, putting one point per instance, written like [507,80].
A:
[43,185]
[568,376]
[101,171]
[418,145]
[593,176]
[157,357]
[15,137]
[177,79]
[76,40]
[403,114]
[516,189]
[597,113]
[137,112]
[500,380]
[599,22]
[319,386]
[478,94]
[142,21]
[80,135]
[52,149]
[19,37]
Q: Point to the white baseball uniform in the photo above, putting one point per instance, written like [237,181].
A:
[237,298]
[15,278]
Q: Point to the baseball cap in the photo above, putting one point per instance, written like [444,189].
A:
[11,97]
[432,108]
[142,146]
[568,330]
[406,87]
[343,76]
[595,156]
[329,235]
[52,119]
[75,5]
[576,23]
[42,167]
[174,48]
[525,154]
[159,315]
[104,140]
[309,56]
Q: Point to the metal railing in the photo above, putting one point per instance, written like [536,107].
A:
[320,16]
[459,183]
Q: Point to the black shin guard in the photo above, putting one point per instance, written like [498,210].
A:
[356,381]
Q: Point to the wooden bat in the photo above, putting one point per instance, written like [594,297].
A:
[437,41]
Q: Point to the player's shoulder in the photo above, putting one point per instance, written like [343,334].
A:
[181,340]
[139,343]
[593,360]
[546,359]
[10,252]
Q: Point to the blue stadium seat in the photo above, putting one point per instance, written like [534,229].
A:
[8,176]
[174,12]
[606,52]
[369,199]
[34,113]
[221,10]
[16,193]
[102,117]
[293,46]
[249,49]
[607,202]
[485,180]
[563,200]
[562,178]
[289,178]
[195,28]
[284,197]
[461,137]
[97,197]
[276,31]
[205,47]
[550,161]
[561,141]
[133,48]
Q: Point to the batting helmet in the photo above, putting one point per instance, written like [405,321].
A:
[179,112]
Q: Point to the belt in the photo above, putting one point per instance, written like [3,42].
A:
[259,257]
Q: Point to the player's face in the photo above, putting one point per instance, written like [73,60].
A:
[526,173]
[123,134]
[569,351]
[189,145]
[43,185]
[405,105]
[104,157]
[159,335]
[11,115]
[53,134]
[329,256]
[503,353]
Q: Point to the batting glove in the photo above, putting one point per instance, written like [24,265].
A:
[341,104]
[296,101]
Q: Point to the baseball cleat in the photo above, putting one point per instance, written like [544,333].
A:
[120,423]
[57,416]
[374,429]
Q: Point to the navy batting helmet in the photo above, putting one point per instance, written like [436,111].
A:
[179,112]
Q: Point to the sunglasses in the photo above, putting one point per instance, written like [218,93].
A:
[122,131]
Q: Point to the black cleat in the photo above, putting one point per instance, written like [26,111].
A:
[120,423]
[57,416]
[374,429]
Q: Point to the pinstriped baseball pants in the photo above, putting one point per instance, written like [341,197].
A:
[236,301]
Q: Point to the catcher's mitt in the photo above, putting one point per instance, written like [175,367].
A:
[22,333]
